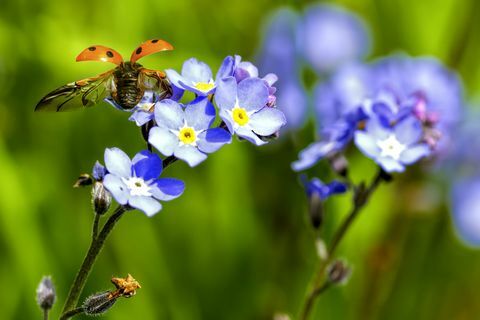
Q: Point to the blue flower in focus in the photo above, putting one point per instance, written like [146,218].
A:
[392,147]
[465,206]
[197,76]
[135,182]
[316,187]
[329,36]
[185,133]
[243,108]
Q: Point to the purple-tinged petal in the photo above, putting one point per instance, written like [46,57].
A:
[177,93]
[252,94]
[247,133]
[367,144]
[163,140]
[147,165]
[213,139]
[148,205]
[292,101]
[377,130]
[117,188]
[415,153]
[226,93]
[175,78]
[389,164]
[99,171]
[169,114]
[408,131]
[465,210]
[226,69]
[117,162]
[112,102]
[270,79]
[200,113]
[196,71]
[141,117]
[190,155]
[267,121]
[166,189]
[227,118]
[312,154]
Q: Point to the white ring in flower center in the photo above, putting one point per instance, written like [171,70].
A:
[137,186]
[391,147]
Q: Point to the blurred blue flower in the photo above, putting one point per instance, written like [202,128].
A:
[316,187]
[329,37]
[279,55]
[392,147]
[185,133]
[135,182]
[197,76]
[465,206]
[99,171]
[243,108]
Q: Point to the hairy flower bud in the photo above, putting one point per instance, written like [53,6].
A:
[338,272]
[46,293]
[101,198]
[98,303]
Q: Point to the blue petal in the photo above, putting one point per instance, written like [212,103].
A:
[367,144]
[190,155]
[200,114]
[117,188]
[169,114]
[141,117]
[117,162]
[226,93]
[408,131]
[465,210]
[415,153]
[389,164]
[213,139]
[166,189]
[312,154]
[227,118]
[196,71]
[226,69]
[147,165]
[267,121]
[163,140]
[99,171]
[247,133]
[146,204]
[252,94]
[175,78]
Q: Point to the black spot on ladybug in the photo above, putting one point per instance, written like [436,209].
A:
[139,50]
[154,41]
[109,54]
[92,48]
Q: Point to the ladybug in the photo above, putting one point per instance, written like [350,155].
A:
[126,83]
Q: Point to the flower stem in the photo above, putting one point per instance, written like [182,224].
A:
[72,313]
[84,271]
[319,284]
[95,227]
[45,314]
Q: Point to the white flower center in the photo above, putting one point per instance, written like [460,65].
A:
[391,147]
[137,186]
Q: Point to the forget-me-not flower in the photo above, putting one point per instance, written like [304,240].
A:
[186,133]
[135,182]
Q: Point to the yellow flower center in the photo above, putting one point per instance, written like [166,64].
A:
[187,135]
[204,86]
[240,116]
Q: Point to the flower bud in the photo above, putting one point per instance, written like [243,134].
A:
[46,293]
[98,303]
[281,316]
[101,198]
[338,272]
[315,210]
[339,164]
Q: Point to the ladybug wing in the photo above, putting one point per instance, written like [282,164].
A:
[149,47]
[100,53]
[155,80]
[76,95]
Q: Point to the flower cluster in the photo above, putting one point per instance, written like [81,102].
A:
[237,102]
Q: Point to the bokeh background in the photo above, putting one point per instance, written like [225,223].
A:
[237,244]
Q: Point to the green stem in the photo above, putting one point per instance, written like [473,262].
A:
[95,248]
[45,314]
[95,227]
[72,313]
[319,285]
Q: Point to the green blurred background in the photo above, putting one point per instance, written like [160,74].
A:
[237,244]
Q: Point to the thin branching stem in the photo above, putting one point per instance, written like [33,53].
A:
[95,227]
[95,248]
[319,284]
[72,313]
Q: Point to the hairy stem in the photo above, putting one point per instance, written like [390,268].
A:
[72,313]
[95,227]
[82,275]
[319,284]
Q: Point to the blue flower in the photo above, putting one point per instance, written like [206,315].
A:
[99,171]
[185,133]
[135,182]
[244,109]
[329,36]
[316,187]
[197,76]
[392,147]
[465,206]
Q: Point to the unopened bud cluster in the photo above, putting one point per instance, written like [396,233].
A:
[46,293]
